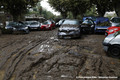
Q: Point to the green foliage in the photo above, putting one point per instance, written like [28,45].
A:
[102,6]
[76,7]
[39,11]
[47,14]
[17,7]
[91,12]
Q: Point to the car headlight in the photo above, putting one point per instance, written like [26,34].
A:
[6,27]
[111,30]
[14,28]
[77,29]
[25,28]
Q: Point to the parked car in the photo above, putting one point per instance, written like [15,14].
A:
[101,27]
[15,27]
[88,26]
[70,29]
[114,28]
[33,25]
[59,23]
[115,20]
[112,45]
[48,25]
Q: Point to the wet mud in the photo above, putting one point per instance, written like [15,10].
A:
[41,56]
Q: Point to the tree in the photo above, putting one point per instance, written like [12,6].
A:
[102,6]
[17,7]
[116,6]
[79,7]
[76,7]
[60,5]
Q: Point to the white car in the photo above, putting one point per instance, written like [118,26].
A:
[112,45]
[33,25]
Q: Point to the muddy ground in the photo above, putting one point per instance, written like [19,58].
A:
[41,56]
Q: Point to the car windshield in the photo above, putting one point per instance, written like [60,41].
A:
[47,22]
[71,22]
[34,23]
[87,22]
[61,21]
[116,20]
[12,24]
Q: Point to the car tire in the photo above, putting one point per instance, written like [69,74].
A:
[114,51]
[51,28]
[27,31]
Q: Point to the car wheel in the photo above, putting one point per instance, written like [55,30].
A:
[51,28]
[114,51]
[59,37]
[27,31]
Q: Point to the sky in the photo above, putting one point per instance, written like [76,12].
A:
[46,5]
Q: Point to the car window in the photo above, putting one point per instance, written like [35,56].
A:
[71,22]
[12,24]
[87,22]
[116,20]
[47,22]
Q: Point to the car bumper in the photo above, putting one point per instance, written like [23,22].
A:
[21,31]
[68,35]
[34,28]
[106,46]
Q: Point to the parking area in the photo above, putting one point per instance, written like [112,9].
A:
[40,55]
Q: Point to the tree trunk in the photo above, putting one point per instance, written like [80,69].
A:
[74,14]
[101,12]
[64,15]
[117,9]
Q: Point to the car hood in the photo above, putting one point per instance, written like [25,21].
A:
[109,38]
[69,27]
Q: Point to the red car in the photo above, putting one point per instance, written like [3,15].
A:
[114,28]
[48,25]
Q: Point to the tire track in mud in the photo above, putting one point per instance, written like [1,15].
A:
[6,52]
[15,56]
[5,56]
[15,60]
[66,64]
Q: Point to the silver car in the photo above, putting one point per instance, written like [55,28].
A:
[112,45]
[70,29]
